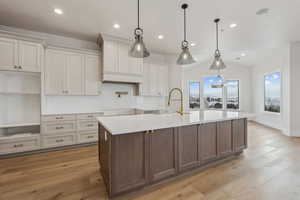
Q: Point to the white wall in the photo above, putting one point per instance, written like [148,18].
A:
[277,60]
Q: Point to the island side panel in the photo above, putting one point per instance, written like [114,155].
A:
[129,161]
[240,134]
[163,154]
[225,138]
[188,147]
[207,142]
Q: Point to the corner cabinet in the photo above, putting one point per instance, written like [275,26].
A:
[118,66]
[71,73]
[17,55]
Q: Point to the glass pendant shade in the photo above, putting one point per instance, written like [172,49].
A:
[185,57]
[218,63]
[138,49]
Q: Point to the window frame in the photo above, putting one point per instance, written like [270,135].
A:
[264,97]
[239,98]
[200,97]
[223,94]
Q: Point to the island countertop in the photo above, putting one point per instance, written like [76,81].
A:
[117,125]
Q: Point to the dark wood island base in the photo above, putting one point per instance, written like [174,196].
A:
[143,160]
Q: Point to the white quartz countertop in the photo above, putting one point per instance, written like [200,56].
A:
[136,123]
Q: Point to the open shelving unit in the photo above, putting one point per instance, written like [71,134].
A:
[20,111]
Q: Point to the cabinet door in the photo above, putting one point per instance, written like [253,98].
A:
[129,161]
[8,54]
[110,56]
[29,56]
[225,146]
[123,59]
[92,74]
[188,147]
[239,130]
[163,83]
[55,72]
[74,83]
[153,80]
[136,66]
[207,142]
[163,154]
[145,85]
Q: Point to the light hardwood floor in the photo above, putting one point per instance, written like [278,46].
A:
[268,170]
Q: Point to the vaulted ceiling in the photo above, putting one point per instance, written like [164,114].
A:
[85,19]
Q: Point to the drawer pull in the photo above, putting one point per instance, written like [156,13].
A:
[90,136]
[18,145]
[90,116]
[90,125]
[59,118]
[61,140]
[59,127]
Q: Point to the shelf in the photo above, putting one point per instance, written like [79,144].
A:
[19,125]
[20,93]
[19,136]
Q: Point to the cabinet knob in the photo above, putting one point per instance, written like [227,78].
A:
[15,67]
[20,67]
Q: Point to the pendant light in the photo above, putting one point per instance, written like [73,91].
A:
[138,49]
[218,63]
[185,58]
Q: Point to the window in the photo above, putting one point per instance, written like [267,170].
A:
[194,95]
[213,97]
[232,94]
[272,92]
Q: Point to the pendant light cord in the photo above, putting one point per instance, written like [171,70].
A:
[217,34]
[138,13]
[184,23]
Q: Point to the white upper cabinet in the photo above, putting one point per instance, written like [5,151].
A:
[69,73]
[20,55]
[118,66]
[29,56]
[55,71]
[92,75]
[155,80]
[8,54]
[75,74]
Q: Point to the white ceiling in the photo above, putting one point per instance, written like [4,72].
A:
[85,19]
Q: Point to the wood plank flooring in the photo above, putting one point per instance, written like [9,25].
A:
[268,170]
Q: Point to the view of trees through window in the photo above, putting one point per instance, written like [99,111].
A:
[194,98]
[213,97]
[232,90]
[272,92]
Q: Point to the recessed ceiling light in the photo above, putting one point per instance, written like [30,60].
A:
[58,11]
[160,37]
[116,26]
[243,54]
[193,44]
[233,25]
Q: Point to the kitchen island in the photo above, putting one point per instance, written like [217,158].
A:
[140,151]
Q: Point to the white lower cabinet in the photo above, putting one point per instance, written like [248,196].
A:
[59,140]
[88,136]
[16,145]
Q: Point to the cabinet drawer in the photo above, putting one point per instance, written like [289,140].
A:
[26,144]
[89,116]
[57,118]
[91,136]
[59,140]
[87,125]
[59,127]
